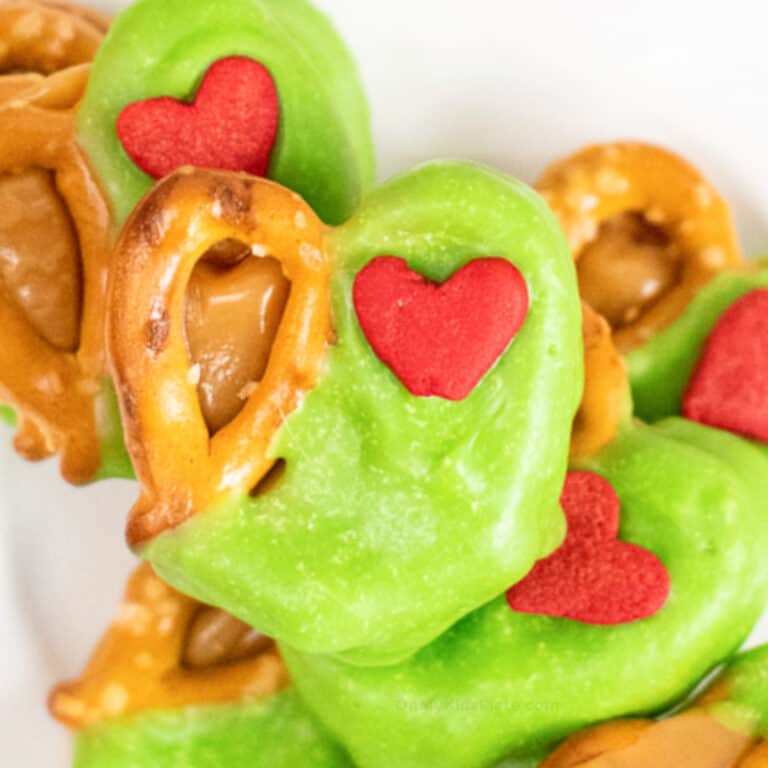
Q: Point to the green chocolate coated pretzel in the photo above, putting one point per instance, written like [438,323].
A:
[164,47]
[501,683]
[274,733]
[398,515]
[660,370]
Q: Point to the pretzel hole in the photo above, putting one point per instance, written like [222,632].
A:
[628,267]
[234,304]
[215,638]
[40,262]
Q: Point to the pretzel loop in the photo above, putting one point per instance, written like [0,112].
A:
[182,468]
[54,391]
[602,182]
[138,665]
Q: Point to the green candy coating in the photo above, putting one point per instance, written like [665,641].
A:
[747,678]
[8,415]
[502,683]
[115,461]
[660,370]
[274,733]
[398,515]
[164,47]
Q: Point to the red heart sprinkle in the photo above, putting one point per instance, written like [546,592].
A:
[729,389]
[231,125]
[593,577]
[440,339]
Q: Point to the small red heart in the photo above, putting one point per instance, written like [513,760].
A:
[440,339]
[231,125]
[593,577]
[729,389]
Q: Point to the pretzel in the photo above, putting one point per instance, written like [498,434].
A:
[698,736]
[142,662]
[182,468]
[53,384]
[605,195]
[605,402]
[46,37]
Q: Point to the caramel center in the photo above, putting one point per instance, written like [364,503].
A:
[627,267]
[235,302]
[215,637]
[694,739]
[40,257]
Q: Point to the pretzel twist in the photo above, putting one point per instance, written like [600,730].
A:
[138,665]
[601,182]
[182,468]
[47,36]
[54,391]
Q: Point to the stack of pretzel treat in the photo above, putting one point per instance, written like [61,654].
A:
[446,472]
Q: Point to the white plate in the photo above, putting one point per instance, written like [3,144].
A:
[513,84]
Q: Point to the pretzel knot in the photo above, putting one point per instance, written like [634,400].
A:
[605,403]
[182,467]
[46,36]
[683,230]
[143,662]
[52,387]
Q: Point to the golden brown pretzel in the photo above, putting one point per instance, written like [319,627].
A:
[683,232]
[47,36]
[605,401]
[140,665]
[181,467]
[51,386]
[695,738]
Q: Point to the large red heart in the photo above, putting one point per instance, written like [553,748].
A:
[231,125]
[729,389]
[440,339]
[593,577]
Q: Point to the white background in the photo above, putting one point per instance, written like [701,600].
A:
[507,82]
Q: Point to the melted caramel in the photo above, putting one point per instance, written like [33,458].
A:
[235,302]
[626,268]
[216,637]
[39,256]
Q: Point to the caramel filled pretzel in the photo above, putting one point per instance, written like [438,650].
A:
[167,651]
[182,468]
[46,37]
[646,229]
[52,359]
[605,399]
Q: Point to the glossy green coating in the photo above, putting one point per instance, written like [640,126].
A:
[7,415]
[660,370]
[398,515]
[275,733]
[115,461]
[164,47]
[501,683]
[747,679]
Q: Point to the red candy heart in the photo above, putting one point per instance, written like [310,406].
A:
[593,577]
[231,125]
[729,389]
[440,339]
